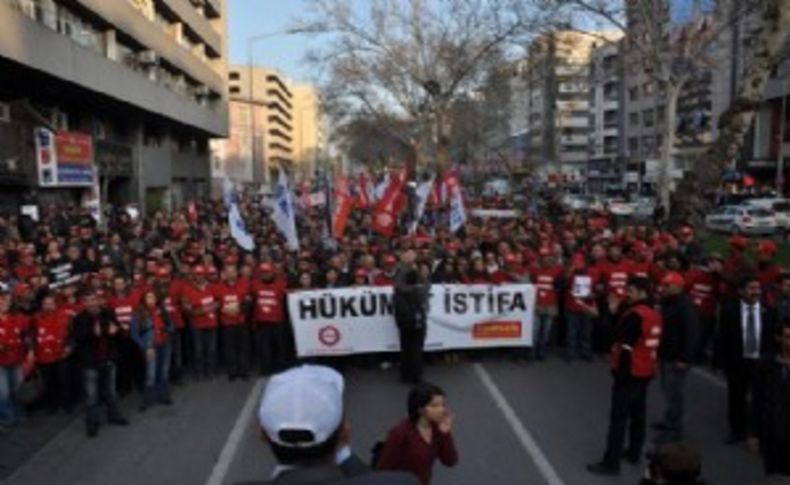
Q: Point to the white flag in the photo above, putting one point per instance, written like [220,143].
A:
[378,191]
[457,211]
[423,192]
[238,230]
[229,193]
[284,217]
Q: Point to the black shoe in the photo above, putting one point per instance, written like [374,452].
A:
[119,421]
[633,458]
[603,468]
[660,426]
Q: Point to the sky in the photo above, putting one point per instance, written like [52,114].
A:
[248,18]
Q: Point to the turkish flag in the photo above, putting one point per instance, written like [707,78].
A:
[387,210]
[343,205]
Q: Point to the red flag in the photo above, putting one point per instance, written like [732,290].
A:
[449,184]
[385,215]
[748,180]
[343,205]
[435,197]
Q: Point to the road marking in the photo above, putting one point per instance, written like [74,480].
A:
[220,469]
[526,439]
[710,377]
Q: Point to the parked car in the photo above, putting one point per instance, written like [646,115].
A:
[644,208]
[742,219]
[620,207]
[780,208]
[577,202]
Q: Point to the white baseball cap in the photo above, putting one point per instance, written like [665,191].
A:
[303,406]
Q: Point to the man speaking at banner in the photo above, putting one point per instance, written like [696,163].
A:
[411,295]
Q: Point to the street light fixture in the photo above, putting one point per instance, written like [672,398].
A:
[251,41]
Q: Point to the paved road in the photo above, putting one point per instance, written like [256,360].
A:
[515,424]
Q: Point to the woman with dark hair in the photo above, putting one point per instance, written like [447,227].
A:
[152,331]
[415,444]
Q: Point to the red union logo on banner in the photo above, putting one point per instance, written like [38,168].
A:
[329,335]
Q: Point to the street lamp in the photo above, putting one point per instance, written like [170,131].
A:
[251,41]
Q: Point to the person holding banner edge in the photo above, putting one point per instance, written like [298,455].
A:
[411,310]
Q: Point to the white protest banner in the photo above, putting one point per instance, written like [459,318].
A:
[358,320]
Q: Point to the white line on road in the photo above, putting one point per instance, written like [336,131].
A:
[710,377]
[526,439]
[234,438]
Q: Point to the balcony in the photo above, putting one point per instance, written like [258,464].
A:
[199,25]
[32,42]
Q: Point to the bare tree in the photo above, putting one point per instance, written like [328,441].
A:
[412,60]
[670,56]
[767,52]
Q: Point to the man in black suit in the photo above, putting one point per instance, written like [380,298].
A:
[745,336]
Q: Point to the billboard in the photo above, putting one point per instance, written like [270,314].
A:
[64,159]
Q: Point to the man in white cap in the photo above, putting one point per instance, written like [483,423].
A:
[301,418]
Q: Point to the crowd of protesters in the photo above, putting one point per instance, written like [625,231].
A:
[140,304]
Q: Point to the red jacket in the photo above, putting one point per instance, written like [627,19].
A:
[642,270]
[703,289]
[383,279]
[124,307]
[406,450]
[203,303]
[52,336]
[269,299]
[173,303]
[231,300]
[644,355]
[500,277]
[13,348]
[545,280]
[616,276]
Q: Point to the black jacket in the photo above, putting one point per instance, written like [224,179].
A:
[728,352]
[93,350]
[410,299]
[680,331]
[771,414]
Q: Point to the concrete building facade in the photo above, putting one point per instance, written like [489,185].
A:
[142,80]
[606,145]
[557,78]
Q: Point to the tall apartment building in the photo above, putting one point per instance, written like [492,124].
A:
[264,113]
[132,88]
[557,77]
[645,100]
[606,146]
[309,133]
[764,145]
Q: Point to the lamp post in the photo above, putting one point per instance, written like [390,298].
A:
[251,41]
[780,163]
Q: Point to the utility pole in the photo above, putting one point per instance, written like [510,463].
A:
[780,163]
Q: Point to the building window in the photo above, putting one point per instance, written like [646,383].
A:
[633,118]
[234,90]
[633,94]
[648,118]
[234,75]
[633,145]
[647,144]
[649,88]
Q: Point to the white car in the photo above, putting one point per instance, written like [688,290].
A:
[780,208]
[577,202]
[742,219]
[621,207]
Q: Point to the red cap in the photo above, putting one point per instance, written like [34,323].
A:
[21,289]
[210,270]
[686,230]
[199,270]
[162,272]
[639,247]
[453,246]
[510,258]
[231,260]
[673,279]
[390,260]
[360,273]
[578,261]
[266,268]
[544,251]
[767,247]
[738,242]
